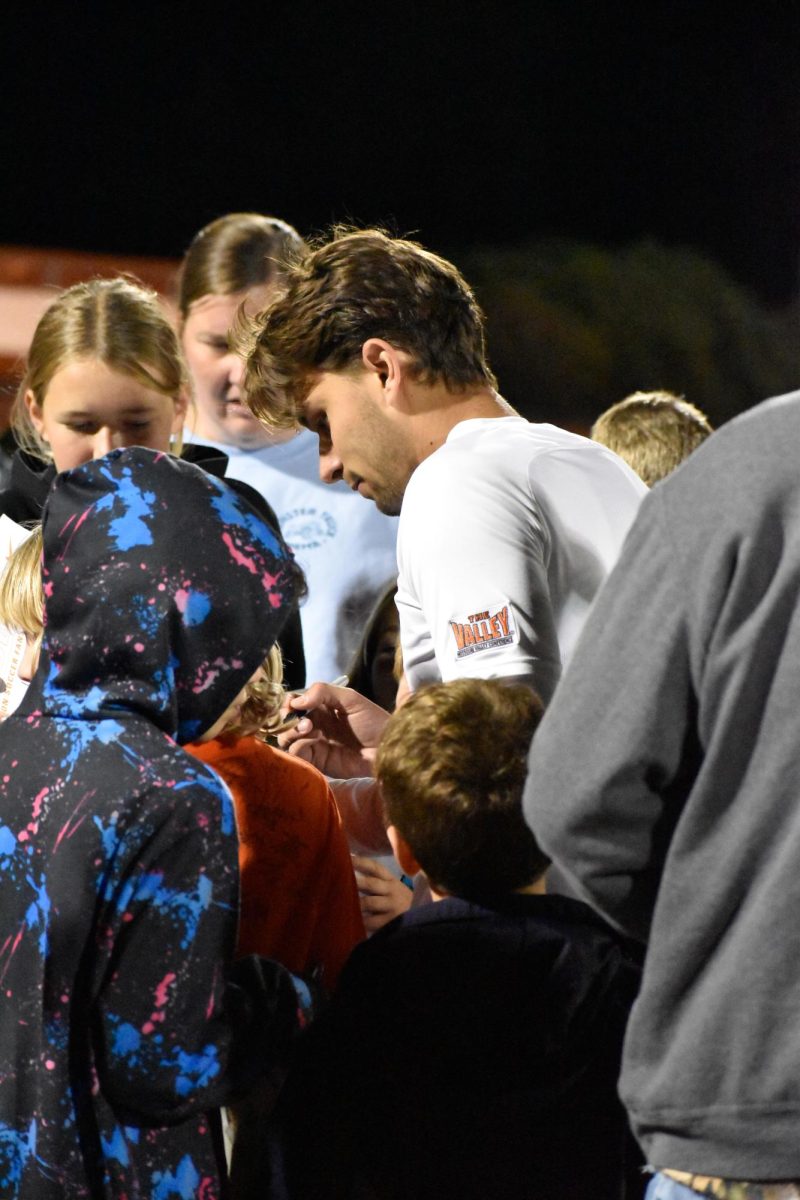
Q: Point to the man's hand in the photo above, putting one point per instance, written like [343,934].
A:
[339,731]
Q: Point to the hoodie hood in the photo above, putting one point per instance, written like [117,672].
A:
[164,591]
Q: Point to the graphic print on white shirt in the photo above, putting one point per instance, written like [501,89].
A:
[484,629]
[307,528]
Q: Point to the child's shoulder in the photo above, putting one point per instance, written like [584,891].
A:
[248,760]
[549,936]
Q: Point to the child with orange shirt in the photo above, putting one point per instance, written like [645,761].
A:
[299,901]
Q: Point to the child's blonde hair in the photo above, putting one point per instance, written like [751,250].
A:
[260,714]
[21,598]
[653,431]
[114,321]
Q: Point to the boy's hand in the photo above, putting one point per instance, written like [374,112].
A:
[383,896]
[339,732]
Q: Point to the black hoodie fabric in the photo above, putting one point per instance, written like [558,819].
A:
[120,1024]
[27,484]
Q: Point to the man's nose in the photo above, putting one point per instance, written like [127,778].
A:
[331,469]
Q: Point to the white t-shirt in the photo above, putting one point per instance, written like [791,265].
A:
[346,547]
[507,532]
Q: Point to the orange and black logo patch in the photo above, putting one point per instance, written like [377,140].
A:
[484,631]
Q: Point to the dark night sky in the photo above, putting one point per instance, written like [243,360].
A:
[127,126]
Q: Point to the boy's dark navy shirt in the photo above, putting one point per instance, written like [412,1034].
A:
[470,1051]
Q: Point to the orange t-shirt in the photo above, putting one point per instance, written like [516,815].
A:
[299,902]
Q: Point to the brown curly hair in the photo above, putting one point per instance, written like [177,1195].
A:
[451,765]
[357,285]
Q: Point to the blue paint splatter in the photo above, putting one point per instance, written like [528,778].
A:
[186,908]
[129,529]
[148,617]
[127,1041]
[116,1147]
[8,843]
[108,835]
[197,608]
[39,913]
[16,1149]
[194,1070]
[182,1185]
[220,795]
[82,734]
[232,513]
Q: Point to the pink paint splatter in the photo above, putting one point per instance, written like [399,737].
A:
[211,999]
[241,559]
[161,990]
[75,529]
[205,681]
[11,954]
[161,998]
[71,826]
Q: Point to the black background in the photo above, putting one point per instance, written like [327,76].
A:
[126,127]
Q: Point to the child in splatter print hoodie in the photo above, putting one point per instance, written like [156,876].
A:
[121,1023]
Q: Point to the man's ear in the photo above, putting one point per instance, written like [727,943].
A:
[386,363]
[402,851]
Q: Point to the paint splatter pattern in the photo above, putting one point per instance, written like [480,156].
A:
[118,854]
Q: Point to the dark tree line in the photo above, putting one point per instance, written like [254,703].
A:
[574,327]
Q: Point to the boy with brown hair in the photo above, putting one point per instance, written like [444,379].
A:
[473,1044]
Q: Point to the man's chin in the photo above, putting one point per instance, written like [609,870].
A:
[386,501]
[389,505]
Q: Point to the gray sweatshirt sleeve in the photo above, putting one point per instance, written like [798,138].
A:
[610,762]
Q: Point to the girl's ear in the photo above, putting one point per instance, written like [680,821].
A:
[181,407]
[34,412]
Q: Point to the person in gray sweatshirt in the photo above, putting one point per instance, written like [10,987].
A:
[664,782]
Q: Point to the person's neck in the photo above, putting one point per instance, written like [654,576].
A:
[438,411]
[199,432]
[537,888]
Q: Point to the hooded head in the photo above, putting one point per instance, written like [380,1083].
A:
[164,591]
